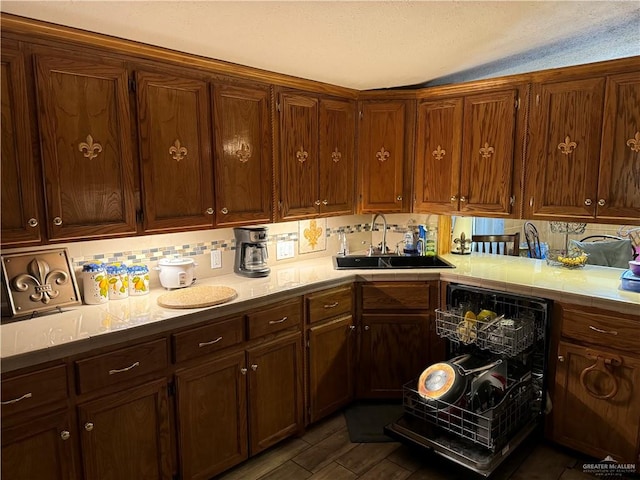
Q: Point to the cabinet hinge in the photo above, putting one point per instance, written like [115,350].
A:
[280,205]
[360,114]
[518,103]
[171,389]
[308,345]
[139,216]
[278,106]
[132,85]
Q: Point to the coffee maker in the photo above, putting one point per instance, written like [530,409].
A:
[251,252]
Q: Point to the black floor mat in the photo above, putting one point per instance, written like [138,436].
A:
[366,421]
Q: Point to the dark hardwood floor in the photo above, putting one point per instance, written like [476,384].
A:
[325,452]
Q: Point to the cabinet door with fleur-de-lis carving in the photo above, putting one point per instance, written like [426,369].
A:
[488,147]
[242,160]
[619,178]
[438,155]
[87,157]
[566,121]
[337,162]
[297,180]
[175,152]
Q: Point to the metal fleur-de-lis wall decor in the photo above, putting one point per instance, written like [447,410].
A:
[567,147]
[301,155]
[336,156]
[90,149]
[439,153]
[634,143]
[177,151]
[486,151]
[243,153]
[41,278]
[382,155]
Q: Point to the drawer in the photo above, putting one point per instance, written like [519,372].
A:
[395,296]
[606,330]
[329,304]
[274,319]
[121,365]
[32,390]
[199,341]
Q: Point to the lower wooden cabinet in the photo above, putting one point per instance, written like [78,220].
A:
[212,416]
[40,449]
[127,435]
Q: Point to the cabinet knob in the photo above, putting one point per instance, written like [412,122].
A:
[243,371]
[317,202]
[601,202]
[209,211]
[588,202]
[366,327]
[352,327]
[560,358]
[33,222]
[224,210]
[463,199]
[88,426]
[254,367]
[454,198]
[57,221]
[325,202]
[399,198]
[65,435]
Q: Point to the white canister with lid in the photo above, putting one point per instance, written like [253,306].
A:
[95,284]
[118,281]
[138,280]
[176,272]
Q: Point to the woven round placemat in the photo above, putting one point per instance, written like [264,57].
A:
[197,297]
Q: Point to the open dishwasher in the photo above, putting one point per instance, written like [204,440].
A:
[478,406]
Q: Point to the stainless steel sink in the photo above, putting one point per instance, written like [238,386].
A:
[377,262]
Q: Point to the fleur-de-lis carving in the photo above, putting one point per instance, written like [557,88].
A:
[40,278]
[567,146]
[382,155]
[634,143]
[487,151]
[439,153]
[336,156]
[177,151]
[301,155]
[312,233]
[89,148]
[244,153]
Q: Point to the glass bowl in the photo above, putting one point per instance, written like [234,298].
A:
[573,260]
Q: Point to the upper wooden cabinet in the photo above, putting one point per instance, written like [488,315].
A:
[316,161]
[585,149]
[384,155]
[175,152]
[21,221]
[243,154]
[466,152]
[85,137]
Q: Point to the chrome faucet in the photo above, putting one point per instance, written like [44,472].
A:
[383,246]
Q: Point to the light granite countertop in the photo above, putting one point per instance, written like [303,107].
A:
[83,328]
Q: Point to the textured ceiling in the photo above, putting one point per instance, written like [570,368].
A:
[366,45]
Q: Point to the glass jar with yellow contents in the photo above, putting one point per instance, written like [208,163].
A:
[138,280]
[95,284]
[118,280]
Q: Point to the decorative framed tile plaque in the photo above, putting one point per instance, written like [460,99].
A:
[312,235]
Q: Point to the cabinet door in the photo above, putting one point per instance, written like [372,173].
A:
[394,350]
[243,155]
[565,148]
[299,195]
[85,136]
[212,417]
[275,392]
[20,218]
[612,426]
[486,184]
[438,155]
[175,152]
[42,449]
[127,435]
[330,366]
[337,162]
[382,156]
[619,179]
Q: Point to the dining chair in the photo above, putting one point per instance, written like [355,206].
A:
[485,243]
[533,240]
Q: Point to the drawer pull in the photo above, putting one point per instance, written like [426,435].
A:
[599,330]
[331,305]
[204,344]
[601,365]
[274,322]
[16,400]
[125,369]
